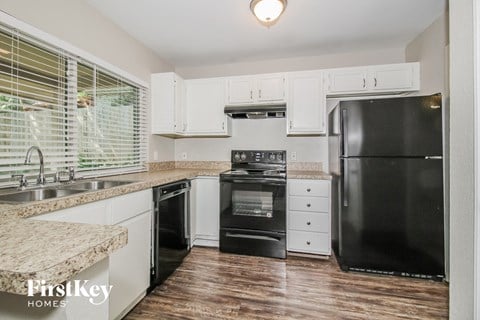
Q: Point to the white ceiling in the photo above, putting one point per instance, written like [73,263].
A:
[203,32]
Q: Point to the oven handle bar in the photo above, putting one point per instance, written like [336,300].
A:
[250,236]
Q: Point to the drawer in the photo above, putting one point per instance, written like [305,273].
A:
[312,204]
[315,188]
[130,205]
[309,242]
[308,221]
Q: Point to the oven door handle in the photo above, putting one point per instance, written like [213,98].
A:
[267,181]
[250,236]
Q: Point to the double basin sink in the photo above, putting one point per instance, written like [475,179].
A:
[52,192]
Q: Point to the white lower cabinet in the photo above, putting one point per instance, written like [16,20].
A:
[129,267]
[309,223]
[205,211]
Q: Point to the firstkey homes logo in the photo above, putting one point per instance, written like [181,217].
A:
[96,294]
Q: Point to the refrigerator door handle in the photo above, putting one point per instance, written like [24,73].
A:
[433,158]
[345,182]
[343,122]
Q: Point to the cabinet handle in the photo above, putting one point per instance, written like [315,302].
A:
[308,223]
[291,124]
[260,93]
[375,80]
[308,243]
[308,205]
[251,95]
[308,190]
[364,83]
[223,125]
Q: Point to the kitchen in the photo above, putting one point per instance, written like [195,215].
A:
[428,46]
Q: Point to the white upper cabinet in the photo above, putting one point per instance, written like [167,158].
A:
[266,88]
[205,103]
[306,103]
[347,80]
[240,90]
[196,107]
[402,77]
[379,79]
[271,88]
[167,103]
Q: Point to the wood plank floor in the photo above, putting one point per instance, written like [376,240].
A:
[214,285]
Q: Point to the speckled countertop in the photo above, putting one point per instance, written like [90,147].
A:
[308,174]
[56,251]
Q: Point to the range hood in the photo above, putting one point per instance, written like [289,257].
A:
[256,111]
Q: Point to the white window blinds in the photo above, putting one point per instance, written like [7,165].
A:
[76,113]
[34,108]
[111,121]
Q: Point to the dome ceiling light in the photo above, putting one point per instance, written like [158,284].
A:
[268,11]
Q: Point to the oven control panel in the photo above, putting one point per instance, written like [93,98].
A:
[259,156]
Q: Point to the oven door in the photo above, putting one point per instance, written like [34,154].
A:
[253,203]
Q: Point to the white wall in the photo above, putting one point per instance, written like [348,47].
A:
[462,192]
[271,133]
[429,48]
[77,23]
[347,59]
[261,134]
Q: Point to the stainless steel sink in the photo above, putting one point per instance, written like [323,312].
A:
[43,193]
[36,194]
[95,185]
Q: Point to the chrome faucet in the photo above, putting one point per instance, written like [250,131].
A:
[41,175]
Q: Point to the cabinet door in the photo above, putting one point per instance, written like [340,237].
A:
[394,77]
[167,103]
[205,103]
[163,103]
[130,265]
[240,90]
[179,105]
[306,103]
[207,210]
[348,80]
[271,88]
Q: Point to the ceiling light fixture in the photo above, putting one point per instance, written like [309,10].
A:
[268,11]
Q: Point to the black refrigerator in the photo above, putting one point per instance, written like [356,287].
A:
[389,208]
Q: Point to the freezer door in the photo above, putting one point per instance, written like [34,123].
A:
[392,127]
[391,215]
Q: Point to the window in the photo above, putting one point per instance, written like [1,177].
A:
[77,113]
[109,121]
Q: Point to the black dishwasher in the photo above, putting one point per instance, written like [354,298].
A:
[170,232]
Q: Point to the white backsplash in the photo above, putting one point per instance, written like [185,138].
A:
[262,134]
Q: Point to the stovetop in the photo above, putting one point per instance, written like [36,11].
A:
[265,164]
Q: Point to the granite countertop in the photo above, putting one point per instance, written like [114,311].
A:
[56,251]
[308,174]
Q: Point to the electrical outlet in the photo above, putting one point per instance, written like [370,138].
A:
[155,155]
[293,156]
[184,156]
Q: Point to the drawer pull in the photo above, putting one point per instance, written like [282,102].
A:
[308,205]
[308,243]
[308,223]
[308,190]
